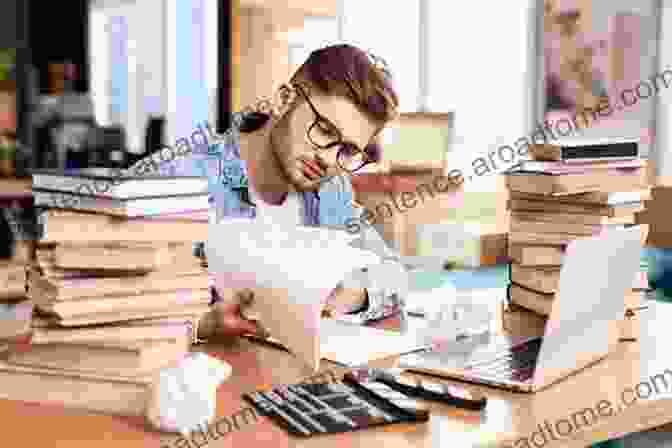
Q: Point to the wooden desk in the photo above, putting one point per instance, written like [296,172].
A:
[508,416]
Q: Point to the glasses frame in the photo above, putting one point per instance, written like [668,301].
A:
[340,141]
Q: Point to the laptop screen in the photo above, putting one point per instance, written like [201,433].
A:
[590,302]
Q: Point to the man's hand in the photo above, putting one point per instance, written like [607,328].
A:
[226,319]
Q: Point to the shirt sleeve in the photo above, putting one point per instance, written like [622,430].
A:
[386,284]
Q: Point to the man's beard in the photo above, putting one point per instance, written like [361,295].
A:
[291,174]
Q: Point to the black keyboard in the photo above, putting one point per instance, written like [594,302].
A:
[516,363]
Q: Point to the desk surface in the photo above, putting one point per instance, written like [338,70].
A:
[508,416]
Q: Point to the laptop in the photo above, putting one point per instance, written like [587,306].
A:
[582,328]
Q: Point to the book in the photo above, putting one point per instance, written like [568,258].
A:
[12,280]
[551,239]
[551,206]
[659,239]
[540,303]
[22,252]
[518,225]
[558,168]
[607,180]
[130,207]
[123,358]
[590,198]
[148,329]
[661,193]
[569,218]
[45,267]
[114,183]
[64,289]
[123,304]
[91,392]
[530,255]
[15,319]
[116,316]
[60,226]
[541,279]
[117,256]
[546,279]
[581,151]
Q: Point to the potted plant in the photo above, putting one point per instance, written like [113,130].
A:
[7,110]
[7,63]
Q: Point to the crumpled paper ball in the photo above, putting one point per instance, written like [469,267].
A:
[184,397]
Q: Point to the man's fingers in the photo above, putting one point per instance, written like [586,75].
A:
[245,297]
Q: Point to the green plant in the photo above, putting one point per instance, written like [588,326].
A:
[7,62]
[7,152]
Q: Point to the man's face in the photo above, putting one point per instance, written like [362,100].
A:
[304,164]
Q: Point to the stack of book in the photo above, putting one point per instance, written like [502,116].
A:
[117,288]
[563,194]
[660,233]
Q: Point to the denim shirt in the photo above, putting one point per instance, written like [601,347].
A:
[229,197]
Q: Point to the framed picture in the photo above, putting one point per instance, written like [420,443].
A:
[600,67]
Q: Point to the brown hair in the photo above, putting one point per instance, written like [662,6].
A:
[352,73]
[355,74]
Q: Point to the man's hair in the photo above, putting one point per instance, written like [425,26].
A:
[350,72]
[357,75]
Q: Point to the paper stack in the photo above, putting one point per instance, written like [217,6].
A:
[655,215]
[554,202]
[117,297]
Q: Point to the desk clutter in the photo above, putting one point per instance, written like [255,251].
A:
[116,299]
[342,406]
[564,193]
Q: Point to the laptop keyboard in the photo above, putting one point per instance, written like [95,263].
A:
[516,363]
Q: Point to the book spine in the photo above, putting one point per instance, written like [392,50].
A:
[603,151]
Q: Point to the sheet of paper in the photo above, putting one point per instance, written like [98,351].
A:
[357,345]
[291,269]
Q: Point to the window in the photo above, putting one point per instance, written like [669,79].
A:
[127,65]
[163,66]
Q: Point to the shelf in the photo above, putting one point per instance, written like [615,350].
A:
[12,188]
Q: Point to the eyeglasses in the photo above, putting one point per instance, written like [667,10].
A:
[323,134]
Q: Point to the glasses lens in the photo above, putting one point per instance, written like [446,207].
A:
[322,135]
[350,158]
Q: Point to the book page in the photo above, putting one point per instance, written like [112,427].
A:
[292,271]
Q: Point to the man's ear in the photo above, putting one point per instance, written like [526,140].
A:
[284,100]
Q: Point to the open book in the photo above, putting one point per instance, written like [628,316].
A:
[291,269]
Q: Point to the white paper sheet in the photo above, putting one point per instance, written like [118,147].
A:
[291,269]
[342,343]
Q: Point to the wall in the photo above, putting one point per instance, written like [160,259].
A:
[264,51]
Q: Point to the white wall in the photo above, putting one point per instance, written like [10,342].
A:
[482,67]
[663,148]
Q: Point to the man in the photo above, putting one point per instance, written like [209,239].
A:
[290,159]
